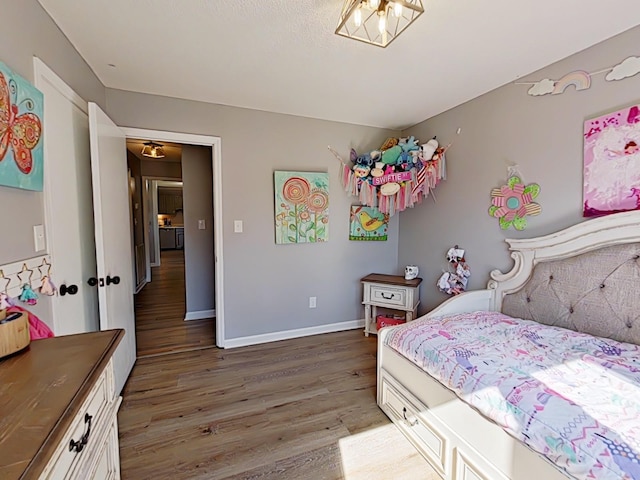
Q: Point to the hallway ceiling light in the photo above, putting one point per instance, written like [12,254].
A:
[377,22]
[153,150]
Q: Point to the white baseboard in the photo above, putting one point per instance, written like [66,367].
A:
[288,334]
[199,315]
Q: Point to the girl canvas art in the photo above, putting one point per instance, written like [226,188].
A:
[612,162]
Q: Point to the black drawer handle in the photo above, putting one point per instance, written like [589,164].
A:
[385,297]
[404,415]
[79,445]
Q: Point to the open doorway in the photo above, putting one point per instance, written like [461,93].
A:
[172,234]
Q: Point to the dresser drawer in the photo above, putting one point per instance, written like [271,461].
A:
[86,422]
[107,467]
[405,410]
[389,295]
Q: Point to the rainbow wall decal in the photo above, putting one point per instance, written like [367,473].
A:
[579,79]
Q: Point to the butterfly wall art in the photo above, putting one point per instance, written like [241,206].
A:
[21,142]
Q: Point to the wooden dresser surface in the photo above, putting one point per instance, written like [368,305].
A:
[40,388]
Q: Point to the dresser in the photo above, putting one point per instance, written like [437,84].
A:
[390,292]
[58,409]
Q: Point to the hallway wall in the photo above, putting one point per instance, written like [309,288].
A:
[197,197]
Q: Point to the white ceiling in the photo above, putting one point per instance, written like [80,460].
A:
[282,55]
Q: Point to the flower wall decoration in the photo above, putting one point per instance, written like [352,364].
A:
[512,202]
[302,207]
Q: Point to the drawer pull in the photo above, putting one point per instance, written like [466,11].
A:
[404,415]
[390,297]
[79,445]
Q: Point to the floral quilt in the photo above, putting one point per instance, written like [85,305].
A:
[572,397]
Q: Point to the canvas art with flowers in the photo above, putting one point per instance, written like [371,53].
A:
[512,202]
[302,207]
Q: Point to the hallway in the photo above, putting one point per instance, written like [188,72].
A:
[160,309]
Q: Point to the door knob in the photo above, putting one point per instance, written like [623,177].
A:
[115,280]
[93,281]
[71,290]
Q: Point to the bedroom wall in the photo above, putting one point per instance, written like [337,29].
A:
[267,286]
[543,135]
[28,31]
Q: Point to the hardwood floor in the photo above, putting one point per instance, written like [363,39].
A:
[295,409]
[160,309]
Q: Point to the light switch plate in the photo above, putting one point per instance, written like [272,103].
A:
[237,226]
[38,238]
[201,225]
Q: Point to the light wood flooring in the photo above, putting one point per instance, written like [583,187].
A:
[290,410]
[160,308]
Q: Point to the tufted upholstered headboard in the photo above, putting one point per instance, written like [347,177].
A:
[596,292]
[585,278]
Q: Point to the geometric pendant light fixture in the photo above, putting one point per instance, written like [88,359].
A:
[377,22]
[153,150]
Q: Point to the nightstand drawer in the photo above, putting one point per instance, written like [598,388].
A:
[389,295]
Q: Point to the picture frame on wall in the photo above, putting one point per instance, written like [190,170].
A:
[21,135]
[612,162]
[301,207]
[368,224]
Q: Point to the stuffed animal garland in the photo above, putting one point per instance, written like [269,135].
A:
[396,176]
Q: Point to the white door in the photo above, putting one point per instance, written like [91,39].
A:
[113,236]
[68,204]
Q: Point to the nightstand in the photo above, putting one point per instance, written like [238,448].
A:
[388,291]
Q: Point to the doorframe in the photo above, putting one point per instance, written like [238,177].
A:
[216,159]
[43,73]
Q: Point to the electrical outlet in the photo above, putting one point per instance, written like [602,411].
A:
[312,302]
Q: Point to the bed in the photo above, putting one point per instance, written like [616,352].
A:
[538,375]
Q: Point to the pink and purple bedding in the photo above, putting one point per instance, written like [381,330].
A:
[572,397]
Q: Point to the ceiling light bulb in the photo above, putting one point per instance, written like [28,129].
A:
[397,9]
[153,150]
[382,22]
[357,18]
[374,4]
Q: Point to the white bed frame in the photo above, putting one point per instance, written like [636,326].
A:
[455,439]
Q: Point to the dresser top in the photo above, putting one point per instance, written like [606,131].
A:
[391,280]
[41,387]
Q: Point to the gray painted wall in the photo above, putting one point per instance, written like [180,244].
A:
[543,135]
[267,286]
[197,201]
[159,169]
[28,31]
